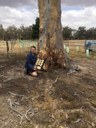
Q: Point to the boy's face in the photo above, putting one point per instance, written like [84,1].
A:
[33,50]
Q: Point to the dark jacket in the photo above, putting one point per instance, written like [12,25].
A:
[30,62]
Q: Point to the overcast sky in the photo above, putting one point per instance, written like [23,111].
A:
[75,13]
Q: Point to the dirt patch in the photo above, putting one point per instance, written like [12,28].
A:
[52,100]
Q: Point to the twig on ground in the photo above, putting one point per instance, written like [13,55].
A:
[35,98]
[11,106]
[71,72]
[55,80]
[26,114]
[4,76]
[77,121]
[21,115]
[75,110]
[8,79]
[14,94]
[2,66]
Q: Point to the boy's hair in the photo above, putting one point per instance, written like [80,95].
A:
[32,47]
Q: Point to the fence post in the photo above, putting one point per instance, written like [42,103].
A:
[7,47]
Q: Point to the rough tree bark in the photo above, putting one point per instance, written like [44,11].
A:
[51,39]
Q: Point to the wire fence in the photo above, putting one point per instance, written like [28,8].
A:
[18,46]
[72,47]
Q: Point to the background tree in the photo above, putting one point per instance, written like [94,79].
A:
[67,33]
[81,33]
[91,33]
[32,32]
[10,33]
[1,32]
[35,29]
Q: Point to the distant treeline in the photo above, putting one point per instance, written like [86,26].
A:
[23,33]
[80,34]
[32,32]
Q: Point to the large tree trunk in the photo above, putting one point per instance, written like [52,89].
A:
[51,39]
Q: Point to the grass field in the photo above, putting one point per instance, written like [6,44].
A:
[17,46]
[76,48]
